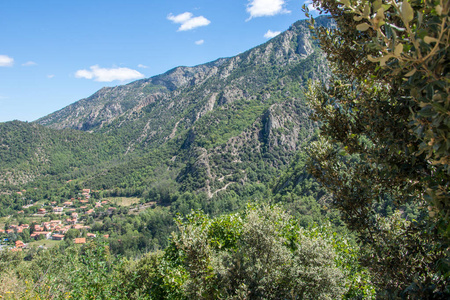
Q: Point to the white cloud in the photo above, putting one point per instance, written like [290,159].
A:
[264,8]
[199,42]
[181,18]
[108,75]
[29,64]
[142,66]
[51,76]
[6,61]
[194,23]
[270,34]
[188,21]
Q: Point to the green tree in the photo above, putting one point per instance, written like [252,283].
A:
[71,234]
[261,253]
[385,128]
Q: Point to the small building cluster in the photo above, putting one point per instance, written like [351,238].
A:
[73,212]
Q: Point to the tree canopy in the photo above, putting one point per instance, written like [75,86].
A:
[385,134]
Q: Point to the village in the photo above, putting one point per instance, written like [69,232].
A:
[61,217]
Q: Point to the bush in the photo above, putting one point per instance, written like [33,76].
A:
[258,254]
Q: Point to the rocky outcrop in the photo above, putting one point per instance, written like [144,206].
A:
[304,47]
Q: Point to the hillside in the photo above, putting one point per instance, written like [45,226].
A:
[209,128]
[29,151]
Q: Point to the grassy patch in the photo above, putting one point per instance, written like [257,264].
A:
[124,201]
[45,243]
[24,220]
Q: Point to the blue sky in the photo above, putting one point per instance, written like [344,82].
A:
[55,52]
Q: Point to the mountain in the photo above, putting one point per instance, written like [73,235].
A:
[223,80]
[227,126]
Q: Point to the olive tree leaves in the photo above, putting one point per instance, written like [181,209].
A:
[414,38]
[390,86]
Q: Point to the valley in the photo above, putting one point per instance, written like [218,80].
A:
[308,167]
[212,137]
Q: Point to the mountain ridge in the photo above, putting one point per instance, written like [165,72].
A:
[212,128]
[90,117]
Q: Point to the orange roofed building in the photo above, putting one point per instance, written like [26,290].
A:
[58,237]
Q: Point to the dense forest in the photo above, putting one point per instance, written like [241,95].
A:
[315,166]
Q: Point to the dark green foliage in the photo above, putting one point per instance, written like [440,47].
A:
[35,150]
[372,155]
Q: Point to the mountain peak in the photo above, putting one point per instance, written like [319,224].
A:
[111,103]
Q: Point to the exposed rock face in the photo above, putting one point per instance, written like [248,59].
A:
[304,46]
[230,94]
[283,125]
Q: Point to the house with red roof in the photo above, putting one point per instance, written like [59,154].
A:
[46,234]
[58,237]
